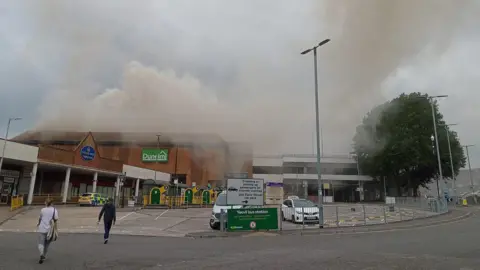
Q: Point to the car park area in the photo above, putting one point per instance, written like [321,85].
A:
[180,222]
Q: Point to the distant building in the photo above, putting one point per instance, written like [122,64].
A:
[298,175]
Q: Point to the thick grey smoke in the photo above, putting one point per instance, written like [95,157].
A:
[231,68]
[371,39]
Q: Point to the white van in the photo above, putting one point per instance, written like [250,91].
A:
[221,203]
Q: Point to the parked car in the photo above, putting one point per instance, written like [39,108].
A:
[221,203]
[91,199]
[300,211]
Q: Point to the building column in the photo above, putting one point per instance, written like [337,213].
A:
[95,178]
[362,192]
[117,187]
[137,185]
[65,185]
[32,184]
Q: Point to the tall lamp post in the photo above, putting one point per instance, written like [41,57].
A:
[431,98]
[317,126]
[454,184]
[470,169]
[6,139]
[436,154]
[156,159]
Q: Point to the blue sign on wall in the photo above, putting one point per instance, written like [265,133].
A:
[87,153]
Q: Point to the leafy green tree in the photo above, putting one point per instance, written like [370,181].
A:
[394,142]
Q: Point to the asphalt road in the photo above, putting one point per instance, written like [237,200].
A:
[446,246]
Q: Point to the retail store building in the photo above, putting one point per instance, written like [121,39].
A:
[64,165]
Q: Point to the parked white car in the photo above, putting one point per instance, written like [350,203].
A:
[221,203]
[300,211]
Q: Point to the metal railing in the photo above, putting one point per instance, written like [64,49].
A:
[427,204]
[349,215]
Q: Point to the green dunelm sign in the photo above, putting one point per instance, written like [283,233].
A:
[154,155]
[252,219]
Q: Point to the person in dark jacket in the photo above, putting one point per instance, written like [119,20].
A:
[109,217]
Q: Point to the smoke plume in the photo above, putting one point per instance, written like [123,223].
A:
[233,68]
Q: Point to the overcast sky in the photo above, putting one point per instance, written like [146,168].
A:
[233,67]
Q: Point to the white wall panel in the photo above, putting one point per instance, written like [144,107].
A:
[18,151]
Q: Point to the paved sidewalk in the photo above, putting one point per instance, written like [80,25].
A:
[6,214]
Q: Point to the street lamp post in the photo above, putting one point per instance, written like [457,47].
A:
[156,159]
[317,125]
[433,150]
[454,184]
[6,139]
[436,139]
[470,169]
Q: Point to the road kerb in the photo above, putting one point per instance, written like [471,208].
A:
[345,230]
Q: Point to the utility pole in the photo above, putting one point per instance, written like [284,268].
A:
[156,159]
[454,184]
[317,126]
[6,139]
[472,186]
[432,104]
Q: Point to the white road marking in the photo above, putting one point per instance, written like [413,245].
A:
[161,214]
[126,215]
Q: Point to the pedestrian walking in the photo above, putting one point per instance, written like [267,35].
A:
[47,228]
[109,217]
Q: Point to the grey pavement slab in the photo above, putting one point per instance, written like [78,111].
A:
[416,248]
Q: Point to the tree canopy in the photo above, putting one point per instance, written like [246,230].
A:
[394,141]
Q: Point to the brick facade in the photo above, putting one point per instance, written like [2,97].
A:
[199,164]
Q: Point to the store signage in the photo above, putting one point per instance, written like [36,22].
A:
[9,173]
[274,184]
[245,192]
[154,155]
[87,153]
[252,219]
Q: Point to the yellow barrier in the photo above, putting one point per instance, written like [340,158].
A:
[163,199]
[172,201]
[197,200]
[17,202]
[464,202]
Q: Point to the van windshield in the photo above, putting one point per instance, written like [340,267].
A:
[86,194]
[221,200]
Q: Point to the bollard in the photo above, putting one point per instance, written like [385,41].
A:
[279,218]
[364,215]
[400,211]
[303,219]
[384,215]
[413,214]
[336,215]
[222,220]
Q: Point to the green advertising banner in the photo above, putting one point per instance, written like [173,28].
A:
[154,155]
[252,219]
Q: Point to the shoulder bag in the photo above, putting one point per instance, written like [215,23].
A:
[52,234]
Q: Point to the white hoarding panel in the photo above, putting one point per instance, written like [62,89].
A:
[245,192]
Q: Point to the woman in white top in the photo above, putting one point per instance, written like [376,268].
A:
[46,228]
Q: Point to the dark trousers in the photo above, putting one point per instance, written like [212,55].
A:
[108,226]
